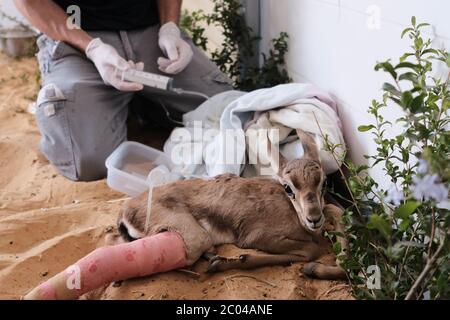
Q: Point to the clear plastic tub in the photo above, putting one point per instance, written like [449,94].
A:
[129,165]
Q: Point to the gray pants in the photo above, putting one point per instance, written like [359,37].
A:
[82,120]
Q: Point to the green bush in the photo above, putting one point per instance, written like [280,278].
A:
[404,231]
[238,46]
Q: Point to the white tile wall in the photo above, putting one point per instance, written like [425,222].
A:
[331,46]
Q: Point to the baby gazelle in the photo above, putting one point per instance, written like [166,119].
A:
[282,219]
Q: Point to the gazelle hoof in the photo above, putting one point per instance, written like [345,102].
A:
[308,269]
[214,264]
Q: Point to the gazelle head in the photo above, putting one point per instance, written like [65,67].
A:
[302,180]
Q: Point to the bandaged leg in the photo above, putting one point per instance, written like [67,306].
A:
[159,253]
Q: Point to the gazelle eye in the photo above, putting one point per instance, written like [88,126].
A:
[288,191]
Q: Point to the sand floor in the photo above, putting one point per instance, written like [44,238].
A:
[48,222]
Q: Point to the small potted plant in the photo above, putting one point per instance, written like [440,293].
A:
[16,41]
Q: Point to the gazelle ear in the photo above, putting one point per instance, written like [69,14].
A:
[309,145]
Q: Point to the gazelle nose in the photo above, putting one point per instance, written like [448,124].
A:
[314,221]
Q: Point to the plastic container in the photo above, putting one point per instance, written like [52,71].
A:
[129,166]
[17,42]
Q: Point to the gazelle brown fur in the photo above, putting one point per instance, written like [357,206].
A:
[284,220]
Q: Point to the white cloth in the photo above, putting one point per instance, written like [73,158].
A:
[284,107]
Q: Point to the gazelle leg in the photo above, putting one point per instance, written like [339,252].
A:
[321,271]
[335,214]
[249,261]
[210,254]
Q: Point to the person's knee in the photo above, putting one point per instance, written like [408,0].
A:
[77,136]
[51,116]
[75,167]
[90,166]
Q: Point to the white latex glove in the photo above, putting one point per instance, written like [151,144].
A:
[111,65]
[178,51]
[136,66]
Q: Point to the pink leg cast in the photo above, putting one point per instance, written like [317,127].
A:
[159,253]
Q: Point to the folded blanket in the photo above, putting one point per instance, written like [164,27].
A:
[214,140]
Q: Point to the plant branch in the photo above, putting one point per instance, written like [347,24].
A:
[425,271]
[433,228]
[402,266]
[355,204]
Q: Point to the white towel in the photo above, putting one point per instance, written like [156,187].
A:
[224,118]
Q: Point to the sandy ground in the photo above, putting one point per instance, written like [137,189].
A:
[48,222]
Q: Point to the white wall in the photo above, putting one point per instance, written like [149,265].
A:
[332,46]
[8,7]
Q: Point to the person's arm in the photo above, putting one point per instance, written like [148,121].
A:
[169,11]
[51,19]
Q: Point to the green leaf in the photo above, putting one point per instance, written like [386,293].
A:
[391,89]
[442,282]
[366,128]
[404,225]
[406,31]
[362,168]
[387,66]
[379,223]
[448,60]
[421,25]
[337,248]
[405,156]
[429,51]
[411,76]
[397,101]
[406,56]
[407,97]
[406,209]
[413,21]
[417,103]
[407,65]
[418,43]
[445,105]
